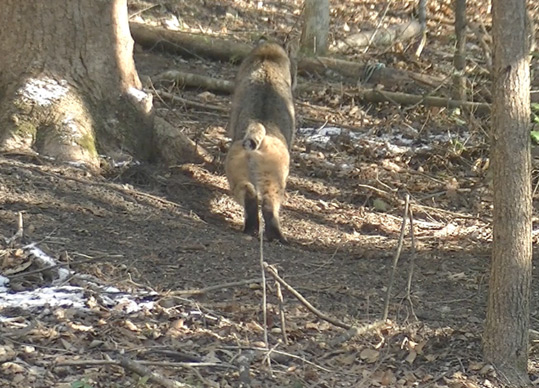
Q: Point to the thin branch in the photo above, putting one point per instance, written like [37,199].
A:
[412,262]
[281,310]
[396,258]
[264,290]
[304,301]
[59,265]
[141,370]
[20,231]
[205,290]
[194,104]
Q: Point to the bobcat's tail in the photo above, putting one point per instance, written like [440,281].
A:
[253,136]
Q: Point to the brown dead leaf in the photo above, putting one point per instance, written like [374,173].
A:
[80,327]
[476,365]
[388,378]
[369,355]
[411,356]
[7,353]
[131,326]
[347,359]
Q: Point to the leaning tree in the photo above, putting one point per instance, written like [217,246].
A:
[68,84]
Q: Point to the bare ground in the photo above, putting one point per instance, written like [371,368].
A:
[158,232]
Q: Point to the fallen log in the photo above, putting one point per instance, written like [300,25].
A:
[364,94]
[192,45]
[381,37]
[195,81]
[375,95]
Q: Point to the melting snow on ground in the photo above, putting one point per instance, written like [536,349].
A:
[397,144]
[60,294]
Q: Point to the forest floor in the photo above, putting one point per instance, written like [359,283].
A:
[144,242]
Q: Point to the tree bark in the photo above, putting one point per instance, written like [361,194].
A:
[422,19]
[459,59]
[68,86]
[315,31]
[506,330]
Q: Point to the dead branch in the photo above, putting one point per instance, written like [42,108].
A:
[281,310]
[224,50]
[396,258]
[422,18]
[186,44]
[19,234]
[86,362]
[195,80]
[356,331]
[279,352]
[381,37]
[194,104]
[459,58]
[205,290]
[375,95]
[412,262]
[264,287]
[59,265]
[304,301]
[141,370]
[364,72]
[368,95]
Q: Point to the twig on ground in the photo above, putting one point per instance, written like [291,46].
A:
[303,359]
[356,331]
[141,370]
[59,265]
[396,258]
[205,290]
[175,354]
[412,262]
[304,301]
[380,22]
[19,234]
[93,362]
[281,310]
[264,290]
[194,104]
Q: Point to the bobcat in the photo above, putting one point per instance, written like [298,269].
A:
[262,128]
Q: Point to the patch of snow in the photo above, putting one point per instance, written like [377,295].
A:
[45,260]
[394,143]
[65,295]
[138,94]
[44,91]
[3,283]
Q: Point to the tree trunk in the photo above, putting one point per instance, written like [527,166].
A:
[314,35]
[506,329]
[459,59]
[68,86]
[422,19]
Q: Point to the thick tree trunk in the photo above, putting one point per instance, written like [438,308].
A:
[68,85]
[506,330]
[315,32]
